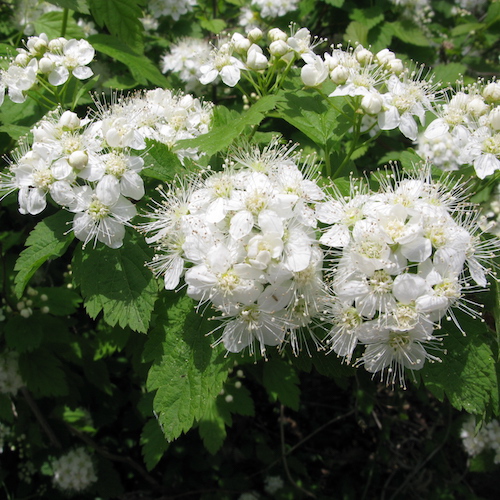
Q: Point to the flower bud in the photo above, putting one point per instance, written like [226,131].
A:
[363,56]
[78,159]
[22,59]
[57,44]
[314,74]
[339,75]
[69,120]
[254,35]
[477,107]
[396,66]
[240,43]
[276,34]
[371,103]
[37,45]
[279,48]
[256,59]
[494,118]
[491,92]
[46,65]
[384,56]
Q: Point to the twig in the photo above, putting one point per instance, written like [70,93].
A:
[284,454]
[41,419]
[116,458]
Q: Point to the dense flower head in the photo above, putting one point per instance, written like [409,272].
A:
[74,471]
[275,8]
[10,378]
[404,257]
[52,60]
[470,121]
[476,440]
[173,8]
[91,167]
[244,240]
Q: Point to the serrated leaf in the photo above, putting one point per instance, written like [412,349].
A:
[49,239]
[161,163]
[212,427]
[368,17]
[142,69]
[467,374]
[407,32]
[213,25]
[281,382]
[356,32]
[220,138]
[465,29]
[153,444]
[187,373]
[51,23]
[76,5]
[313,116]
[117,282]
[122,18]
[42,373]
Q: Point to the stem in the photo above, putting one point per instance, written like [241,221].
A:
[284,454]
[41,419]
[64,21]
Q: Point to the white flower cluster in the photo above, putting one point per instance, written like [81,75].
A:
[391,94]
[87,166]
[275,8]
[52,60]
[185,58]
[470,120]
[243,53]
[486,438]
[244,239]
[420,12]
[406,256]
[173,8]
[74,471]
[10,378]
[26,12]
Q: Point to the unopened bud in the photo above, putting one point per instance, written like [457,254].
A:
[339,75]
[276,34]
[46,65]
[78,159]
[69,120]
[491,92]
[371,103]
[254,35]
[279,48]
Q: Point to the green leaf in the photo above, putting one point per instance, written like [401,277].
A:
[50,238]
[356,32]
[42,373]
[23,334]
[408,33]
[212,426]
[221,137]
[161,163]
[51,23]
[449,73]
[142,69]
[335,3]
[187,372]
[318,118]
[117,282]
[213,25]
[15,131]
[368,17]
[61,301]
[465,29]
[6,414]
[76,5]
[153,443]
[467,374]
[122,18]
[281,382]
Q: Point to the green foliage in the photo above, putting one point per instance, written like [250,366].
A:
[281,382]
[117,283]
[51,22]
[187,372]
[49,239]
[161,163]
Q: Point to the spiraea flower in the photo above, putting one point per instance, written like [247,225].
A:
[404,258]
[245,243]
[51,60]
[74,471]
[10,378]
[272,9]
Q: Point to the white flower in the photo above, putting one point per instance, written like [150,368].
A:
[73,471]
[97,220]
[10,378]
[222,63]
